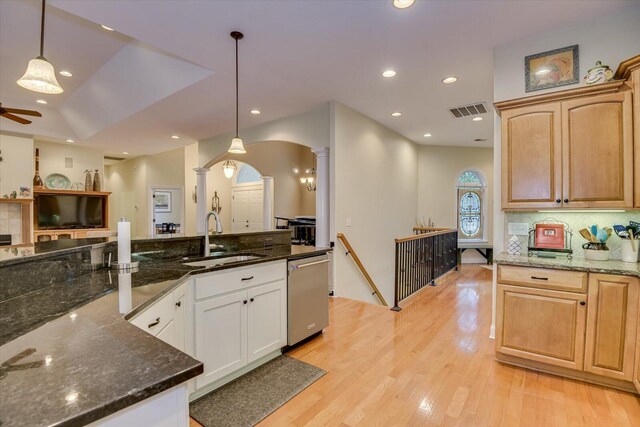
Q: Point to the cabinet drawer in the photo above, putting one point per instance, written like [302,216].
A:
[238,278]
[158,315]
[543,278]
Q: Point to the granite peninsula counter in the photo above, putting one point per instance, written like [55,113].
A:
[69,356]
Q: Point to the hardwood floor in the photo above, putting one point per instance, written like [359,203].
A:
[433,364]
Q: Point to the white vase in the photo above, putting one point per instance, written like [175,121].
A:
[628,254]
[596,255]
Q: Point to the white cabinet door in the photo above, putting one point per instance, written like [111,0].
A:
[168,334]
[220,335]
[180,321]
[267,317]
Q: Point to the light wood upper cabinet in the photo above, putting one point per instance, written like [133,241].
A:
[571,149]
[611,326]
[531,157]
[636,373]
[597,151]
[541,325]
[635,84]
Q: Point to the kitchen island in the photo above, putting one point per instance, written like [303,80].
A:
[69,354]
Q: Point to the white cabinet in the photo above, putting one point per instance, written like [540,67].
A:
[267,319]
[220,335]
[165,318]
[240,317]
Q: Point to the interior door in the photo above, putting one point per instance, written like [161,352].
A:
[531,157]
[255,210]
[597,144]
[267,317]
[240,210]
[221,335]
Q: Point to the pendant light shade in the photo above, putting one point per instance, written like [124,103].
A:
[40,75]
[237,147]
[229,167]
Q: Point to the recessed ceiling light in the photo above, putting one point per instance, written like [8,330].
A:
[477,119]
[41,101]
[255,112]
[396,114]
[65,73]
[427,135]
[124,152]
[388,73]
[175,137]
[450,79]
[70,141]
[402,4]
[107,28]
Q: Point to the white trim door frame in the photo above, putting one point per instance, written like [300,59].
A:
[151,216]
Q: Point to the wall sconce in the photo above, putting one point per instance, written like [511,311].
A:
[310,180]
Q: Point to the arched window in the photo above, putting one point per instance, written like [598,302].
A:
[247,173]
[470,209]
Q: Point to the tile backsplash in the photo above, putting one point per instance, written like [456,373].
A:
[10,221]
[577,221]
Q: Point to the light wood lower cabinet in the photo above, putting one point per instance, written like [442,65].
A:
[611,326]
[591,332]
[541,325]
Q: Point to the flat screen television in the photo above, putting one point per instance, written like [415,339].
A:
[66,211]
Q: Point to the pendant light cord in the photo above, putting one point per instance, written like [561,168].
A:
[236,87]
[42,32]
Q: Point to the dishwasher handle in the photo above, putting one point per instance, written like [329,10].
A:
[298,267]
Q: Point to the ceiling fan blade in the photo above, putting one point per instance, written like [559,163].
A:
[16,119]
[23,112]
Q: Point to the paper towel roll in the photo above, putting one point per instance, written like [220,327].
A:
[124,241]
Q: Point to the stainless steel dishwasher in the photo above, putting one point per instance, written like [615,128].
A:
[308,297]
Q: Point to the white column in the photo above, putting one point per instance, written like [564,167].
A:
[322,196]
[267,203]
[201,196]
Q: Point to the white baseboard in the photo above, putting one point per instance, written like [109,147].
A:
[492,332]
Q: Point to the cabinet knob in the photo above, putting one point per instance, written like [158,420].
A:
[566,200]
[244,302]
[251,299]
[179,303]
[558,200]
[583,303]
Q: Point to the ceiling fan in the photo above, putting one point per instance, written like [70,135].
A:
[10,113]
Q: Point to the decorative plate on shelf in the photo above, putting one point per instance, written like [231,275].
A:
[77,186]
[57,181]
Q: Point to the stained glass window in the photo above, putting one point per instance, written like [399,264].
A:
[470,213]
[469,177]
[470,190]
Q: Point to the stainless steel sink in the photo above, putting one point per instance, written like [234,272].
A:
[220,261]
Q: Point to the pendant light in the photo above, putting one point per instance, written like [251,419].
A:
[236,143]
[40,75]
[229,167]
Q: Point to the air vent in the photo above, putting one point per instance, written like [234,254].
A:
[480,140]
[468,110]
[117,159]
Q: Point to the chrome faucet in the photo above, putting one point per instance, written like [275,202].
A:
[207,247]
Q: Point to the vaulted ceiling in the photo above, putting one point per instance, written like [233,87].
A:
[167,69]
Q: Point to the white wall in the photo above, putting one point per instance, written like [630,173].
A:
[376,185]
[438,171]
[53,160]
[611,39]
[18,166]
[310,129]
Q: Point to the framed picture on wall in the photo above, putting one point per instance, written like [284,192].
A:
[162,201]
[558,67]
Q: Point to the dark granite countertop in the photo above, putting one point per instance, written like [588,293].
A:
[70,357]
[577,264]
